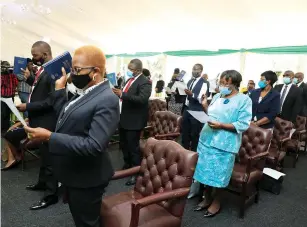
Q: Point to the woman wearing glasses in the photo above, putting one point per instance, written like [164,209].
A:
[84,127]
[230,113]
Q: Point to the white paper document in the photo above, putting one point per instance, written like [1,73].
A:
[181,86]
[168,90]
[201,116]
[273,173]
[213,85]
[11,105]
[292,131]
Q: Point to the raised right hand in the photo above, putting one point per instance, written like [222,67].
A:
[26,73]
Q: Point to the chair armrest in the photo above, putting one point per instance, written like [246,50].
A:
[282,141]
[126,173]
[173,135]
[152,199]
[259,156]
[300,133]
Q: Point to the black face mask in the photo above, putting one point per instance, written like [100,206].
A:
[38,62]
[195,74]
[80,81]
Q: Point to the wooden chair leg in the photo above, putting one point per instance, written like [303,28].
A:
[257,192]
[242,201]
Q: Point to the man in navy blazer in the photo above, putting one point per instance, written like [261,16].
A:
[191,127]
[79,144]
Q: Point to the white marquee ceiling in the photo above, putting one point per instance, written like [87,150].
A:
[122,26]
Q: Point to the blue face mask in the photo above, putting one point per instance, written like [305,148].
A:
[129,73]
[262,84]
[287,80]
[295,81]
[224,90]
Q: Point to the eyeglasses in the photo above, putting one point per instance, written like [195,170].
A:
[77,70]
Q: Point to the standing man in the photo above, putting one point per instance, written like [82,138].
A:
[8,88]
[191,127]
[41,114]
[250,87]
[24,89]
[134,114]
[290,98]
[299,81]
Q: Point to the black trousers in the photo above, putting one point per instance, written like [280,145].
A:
[46,176]
[5,117]
[85,205]
[191,129]
[130,146]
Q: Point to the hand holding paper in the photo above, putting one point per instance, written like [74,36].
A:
[11,105]
[39,134]
[22,107]
[200,116]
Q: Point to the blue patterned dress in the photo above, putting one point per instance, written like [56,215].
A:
[216,147]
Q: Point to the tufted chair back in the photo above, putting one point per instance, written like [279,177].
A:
[154,106]
[166,166]
[282,130]
[165,122]
[300,123]
[255,140]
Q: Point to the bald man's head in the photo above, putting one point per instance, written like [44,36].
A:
[41,52]
[88,66]
[299,76]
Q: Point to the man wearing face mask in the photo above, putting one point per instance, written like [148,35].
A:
[197,87]
[8,87]
[41,114]
[290,98]
[298,80]
[134,114]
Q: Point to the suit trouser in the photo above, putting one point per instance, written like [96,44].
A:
[85,205]
[191,129]
[130,145]
[46,175]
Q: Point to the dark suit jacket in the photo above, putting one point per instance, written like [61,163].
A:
[79,144]
[134,113]
[268,107]
[292,104]
[40,108]
[303,88]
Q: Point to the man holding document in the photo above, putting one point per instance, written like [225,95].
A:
[191,127]
[41,114]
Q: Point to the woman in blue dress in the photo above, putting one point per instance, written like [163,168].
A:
[230,114]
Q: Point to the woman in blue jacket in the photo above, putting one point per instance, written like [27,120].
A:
[266,101]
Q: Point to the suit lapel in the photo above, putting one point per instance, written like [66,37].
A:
[39,79]
[80,103]
[134,84]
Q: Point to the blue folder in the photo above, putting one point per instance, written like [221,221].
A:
[112,78]
[181,75]
[19,63]
[54,67]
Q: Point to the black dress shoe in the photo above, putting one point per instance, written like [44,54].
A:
[14,164]
[210,215]
[45,202]
[36,187]
[201,207]
[131,181]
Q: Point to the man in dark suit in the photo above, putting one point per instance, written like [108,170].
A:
[299,81]
[85,125]
[197,87]
[250,88]
[290,98]
[134,113]
[41,114]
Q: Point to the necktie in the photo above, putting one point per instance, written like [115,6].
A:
[37,74]
[191,86]
[283,96]
[128,85]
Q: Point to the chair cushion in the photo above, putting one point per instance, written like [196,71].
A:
[116,212]
[238,175]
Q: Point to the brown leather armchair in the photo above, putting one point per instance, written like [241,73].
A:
[247,171]
[292,147]
[165,126]
[159,196]
[28,146]
[281,134]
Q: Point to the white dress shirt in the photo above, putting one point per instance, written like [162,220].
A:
[288,89]
[203,90]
